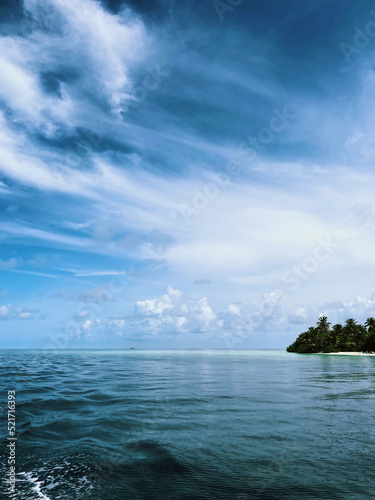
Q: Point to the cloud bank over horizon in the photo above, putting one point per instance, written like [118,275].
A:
[184,175]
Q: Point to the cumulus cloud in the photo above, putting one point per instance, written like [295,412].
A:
[360,308]
[177,313]
[131,193]
[301,315]
[82,327]
[4,312]
[158,306]
[255,219]
[8,312]
[172,313]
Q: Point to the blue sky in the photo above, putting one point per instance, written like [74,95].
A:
[184,174]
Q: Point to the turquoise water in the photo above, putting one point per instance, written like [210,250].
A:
[190,425]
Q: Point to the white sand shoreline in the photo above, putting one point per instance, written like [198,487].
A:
[346,353]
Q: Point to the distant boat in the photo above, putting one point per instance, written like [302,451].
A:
[132,348]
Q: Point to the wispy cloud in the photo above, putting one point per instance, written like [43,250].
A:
[101,273]
[167,148]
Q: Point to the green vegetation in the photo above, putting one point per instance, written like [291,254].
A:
[351,337]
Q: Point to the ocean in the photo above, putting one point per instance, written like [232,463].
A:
[189,425]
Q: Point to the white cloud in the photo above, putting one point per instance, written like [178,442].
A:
[266,220]
[158,306]
[87,325]
[301,314]
[101,51]
[99,273]
[110,43]
[360,308]
[4,311]
[10,312]
[234,309]
[177,313]
[104,47]
[21,90]
[24,315]
[24,231]
[174,313]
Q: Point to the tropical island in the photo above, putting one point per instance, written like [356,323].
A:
[350,337]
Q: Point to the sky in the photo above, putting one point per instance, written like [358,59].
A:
[193,174]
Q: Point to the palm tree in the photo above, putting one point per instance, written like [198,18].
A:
[370,324]
[343,339]
[323,332]
[311,333]
[350,323]
[369,342]
[355,334]
[360,336]
[336,331]
[323,324]
[350,337]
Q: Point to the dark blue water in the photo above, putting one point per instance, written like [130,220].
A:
[187,425]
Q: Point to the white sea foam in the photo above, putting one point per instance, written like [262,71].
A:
[37,484]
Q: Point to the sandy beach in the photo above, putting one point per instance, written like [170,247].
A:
[346,353]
